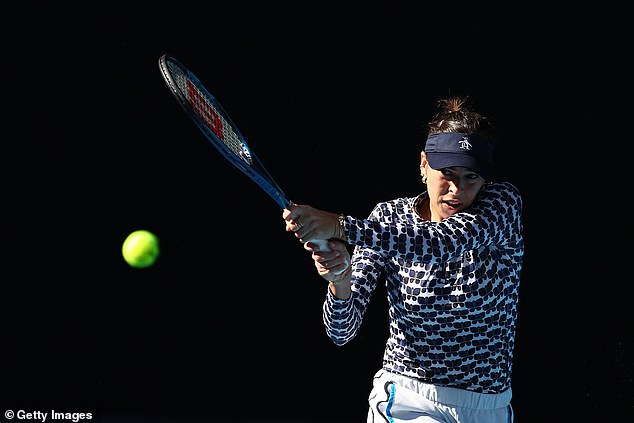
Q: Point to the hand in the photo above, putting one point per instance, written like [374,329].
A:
[331,265]
[309,223]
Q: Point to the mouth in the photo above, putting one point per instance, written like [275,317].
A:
[453,204]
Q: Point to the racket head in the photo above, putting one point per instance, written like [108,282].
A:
[216,124]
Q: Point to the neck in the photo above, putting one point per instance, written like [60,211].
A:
[423,209]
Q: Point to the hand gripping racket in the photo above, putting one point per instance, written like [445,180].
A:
[219,129]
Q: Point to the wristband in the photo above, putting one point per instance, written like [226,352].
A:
[340,283]
[343,281]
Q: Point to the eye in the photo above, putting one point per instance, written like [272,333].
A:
[473,176]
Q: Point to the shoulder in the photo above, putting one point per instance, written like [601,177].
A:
[502,186]
[502,190]
[499,197]
[397,206]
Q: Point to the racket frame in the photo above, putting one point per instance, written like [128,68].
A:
[257,171]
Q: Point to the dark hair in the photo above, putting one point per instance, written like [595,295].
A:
[455,114]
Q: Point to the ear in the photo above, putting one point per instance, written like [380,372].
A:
[423,162]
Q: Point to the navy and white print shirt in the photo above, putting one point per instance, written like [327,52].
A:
[452,288]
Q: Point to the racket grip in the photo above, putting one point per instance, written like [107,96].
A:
[322,244]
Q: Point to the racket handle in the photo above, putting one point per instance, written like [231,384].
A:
[322,244]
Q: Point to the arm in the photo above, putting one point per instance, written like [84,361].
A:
[495,218]
[343,317]
[348,292]
[333,266]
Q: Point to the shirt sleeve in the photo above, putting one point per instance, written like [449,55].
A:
[494,218]
[342,318]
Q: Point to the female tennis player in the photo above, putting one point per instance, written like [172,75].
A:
[451,259]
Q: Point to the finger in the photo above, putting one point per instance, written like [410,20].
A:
[337,246]
[294,212]
[305,234]
[320,268]
[332,264]
[311,246]
[331,255]
[337,268]
[314,245]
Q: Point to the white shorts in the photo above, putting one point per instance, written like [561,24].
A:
[396,398]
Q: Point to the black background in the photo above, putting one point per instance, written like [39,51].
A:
[334,98]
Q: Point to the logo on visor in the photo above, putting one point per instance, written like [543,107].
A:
[464,143]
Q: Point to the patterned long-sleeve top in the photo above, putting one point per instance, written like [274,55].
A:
[452,288]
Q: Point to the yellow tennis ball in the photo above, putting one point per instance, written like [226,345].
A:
[140,249]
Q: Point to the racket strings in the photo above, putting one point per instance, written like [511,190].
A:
[211,115]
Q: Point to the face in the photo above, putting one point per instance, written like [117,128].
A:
[450,190]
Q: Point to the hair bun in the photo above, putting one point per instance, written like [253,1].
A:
[452,104]
[455,114]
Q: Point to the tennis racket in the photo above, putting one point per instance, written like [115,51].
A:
[214,122]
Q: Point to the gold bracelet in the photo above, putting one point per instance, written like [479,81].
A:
[341,233]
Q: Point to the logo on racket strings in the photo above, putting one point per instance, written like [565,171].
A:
[205,110]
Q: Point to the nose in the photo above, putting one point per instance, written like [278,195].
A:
[455,185]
